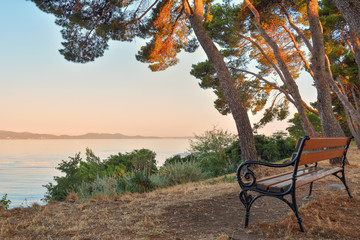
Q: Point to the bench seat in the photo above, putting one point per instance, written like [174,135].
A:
[282,182]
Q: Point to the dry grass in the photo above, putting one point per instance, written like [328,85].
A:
[191,211]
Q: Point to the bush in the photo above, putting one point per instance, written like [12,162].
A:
[100,186]
[136,167]
[277,147]
[67,183]
[160,181]
[138,182]
[215,153]
[179,173]
[177,158]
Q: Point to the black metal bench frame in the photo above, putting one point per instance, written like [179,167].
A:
[326,148]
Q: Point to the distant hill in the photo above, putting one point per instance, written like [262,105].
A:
[29,135]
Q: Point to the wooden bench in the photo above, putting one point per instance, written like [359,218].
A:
[305,170]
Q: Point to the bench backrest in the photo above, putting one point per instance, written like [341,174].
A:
[319,149]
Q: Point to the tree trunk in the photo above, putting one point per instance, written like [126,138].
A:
[289,81]
[350,9]
[355,114]
[355,42]
[330,125]
[352,129]
[237,107]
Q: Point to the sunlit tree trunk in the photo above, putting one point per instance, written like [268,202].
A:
[237,107]
[352,128]
[355,42]
[329,123]
[350,9]
[289,81]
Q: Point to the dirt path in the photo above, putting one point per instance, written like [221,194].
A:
[221,215]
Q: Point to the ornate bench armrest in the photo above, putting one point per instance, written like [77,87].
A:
[244,171]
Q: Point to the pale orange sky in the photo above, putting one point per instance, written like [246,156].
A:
[43,93]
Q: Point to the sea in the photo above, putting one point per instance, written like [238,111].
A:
[27,165]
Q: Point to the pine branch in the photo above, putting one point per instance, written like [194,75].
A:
[267,82]
[296,28]
[307,65]
[265,55]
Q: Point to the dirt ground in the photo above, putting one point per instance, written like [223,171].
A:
[193,211]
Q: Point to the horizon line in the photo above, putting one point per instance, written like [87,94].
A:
[6,134]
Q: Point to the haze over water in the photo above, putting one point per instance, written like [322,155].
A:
[26,165]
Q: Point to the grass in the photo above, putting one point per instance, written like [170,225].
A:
[204,210]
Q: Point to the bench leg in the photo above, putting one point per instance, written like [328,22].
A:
[295,209]
[310,191]
[343,180]
[247,214]
[247,201]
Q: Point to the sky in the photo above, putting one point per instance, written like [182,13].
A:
[41,92]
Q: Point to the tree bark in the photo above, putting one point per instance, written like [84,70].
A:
[352,128]
[349,119]
[350,10]
[355,42]
[330,125]
[237,107]
[289,81]
[355,114]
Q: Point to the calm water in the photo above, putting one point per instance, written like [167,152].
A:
[26,165]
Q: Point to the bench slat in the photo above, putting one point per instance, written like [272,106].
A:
[327,171]
[305,179]
[266,183]
[312,157]
[279,175]
[316,143]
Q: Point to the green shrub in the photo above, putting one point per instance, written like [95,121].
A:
[179,173]
[66,184]
[178,158]
[216,151]
[138,182]
[160,181]
[100,186]
[272,149]
[135,167]
[5,202]
[134,182]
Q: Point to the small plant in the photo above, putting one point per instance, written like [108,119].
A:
[5,202]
